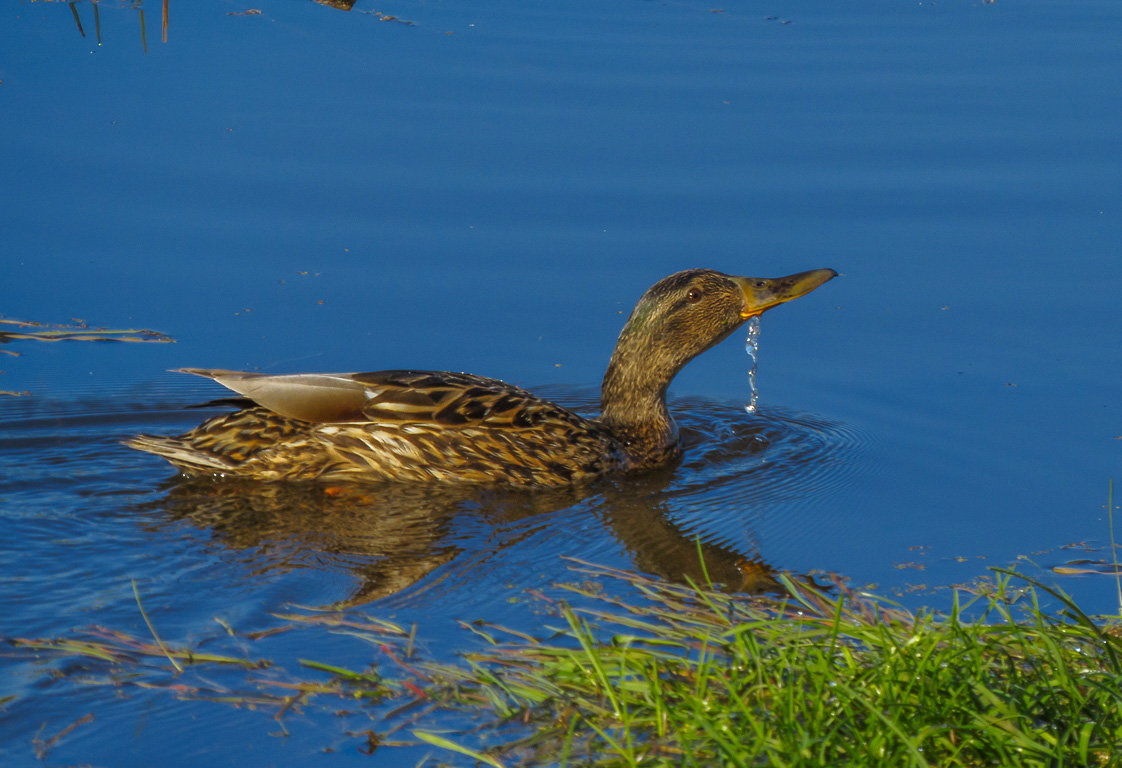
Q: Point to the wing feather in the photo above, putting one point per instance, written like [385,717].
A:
[315,397]
[430,397]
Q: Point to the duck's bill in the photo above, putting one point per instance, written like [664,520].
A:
[763,293]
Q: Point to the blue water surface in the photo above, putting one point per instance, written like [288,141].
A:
[489,187]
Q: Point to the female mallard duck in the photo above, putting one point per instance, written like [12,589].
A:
[455,427]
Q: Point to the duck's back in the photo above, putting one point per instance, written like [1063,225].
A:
[391,425]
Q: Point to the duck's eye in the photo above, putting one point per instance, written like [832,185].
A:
[694,295]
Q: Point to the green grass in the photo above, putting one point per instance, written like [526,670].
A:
[673,675]
[691,677]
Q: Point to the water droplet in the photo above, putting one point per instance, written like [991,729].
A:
[752,347]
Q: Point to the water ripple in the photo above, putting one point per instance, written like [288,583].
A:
[745,481]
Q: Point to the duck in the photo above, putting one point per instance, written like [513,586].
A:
[445,427]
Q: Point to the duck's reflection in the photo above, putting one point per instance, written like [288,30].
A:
[638,515]
[390,537]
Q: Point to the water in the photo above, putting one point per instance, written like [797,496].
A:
[752,347]
[490,190]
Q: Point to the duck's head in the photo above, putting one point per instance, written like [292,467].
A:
[684,314]
[676,320]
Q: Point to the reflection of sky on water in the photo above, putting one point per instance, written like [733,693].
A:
[490,189]
[493,199]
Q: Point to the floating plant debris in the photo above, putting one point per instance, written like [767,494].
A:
[78,332]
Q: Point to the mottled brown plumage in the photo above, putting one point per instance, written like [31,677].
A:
[425,426]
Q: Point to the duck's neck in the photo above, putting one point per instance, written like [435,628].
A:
[633,399]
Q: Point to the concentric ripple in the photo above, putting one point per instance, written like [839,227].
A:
[745,481]
[774,455]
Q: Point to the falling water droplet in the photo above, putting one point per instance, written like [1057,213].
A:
[752,347]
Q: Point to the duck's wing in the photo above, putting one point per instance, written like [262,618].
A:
[316,397]
[434,397]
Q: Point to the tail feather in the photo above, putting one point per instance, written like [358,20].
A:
[180,453]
